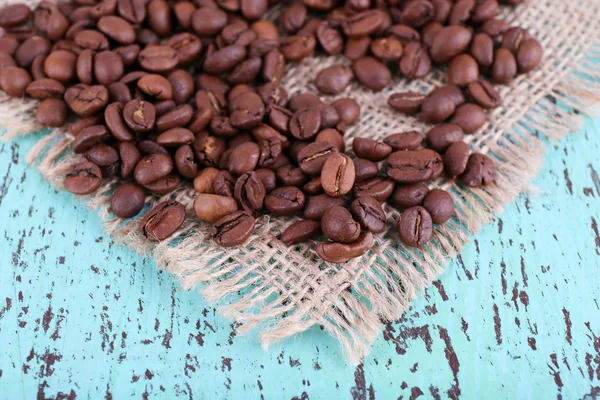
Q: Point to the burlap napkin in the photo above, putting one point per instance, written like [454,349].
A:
[284,290]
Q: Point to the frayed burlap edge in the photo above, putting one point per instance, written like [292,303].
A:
[258,286]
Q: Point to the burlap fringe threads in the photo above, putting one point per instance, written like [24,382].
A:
[287,291]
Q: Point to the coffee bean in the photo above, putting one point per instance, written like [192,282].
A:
[529,55]
[130,156]
[436,109]
[272,94]
[244,158]
[300,231]
[452,91]
[118,92]
[369,214]
[45,88]
[296,48]
[152,168]
[132,10]
[313,187]
[514,37]
[224,60]
[148,147]
[415,62]
[265,30]
[158,59]
[480,171]
[404,33]
[387,49]
[30,49]
[285,201]
[116,28]
[482,50]
[305,123]
[232,229]
[409,140]
[159,18]
[418,13]
[83,178]
[88,101]
[379,188]
[330,38]
[91,39]
[440,206]
[461,12]
[484,11]
[332,136]
[371,149]
[317,205]
[429,32]
[412,166]
[415,226]
[8,45]
[204,181]
[185,163]
[455,159]
[139,115]
[338,174]
[176,118]
[250,192]
[504,68]
[407,102]
[89,137]
[108,67]
[60,65]
[51,112]
[312,158]
[334,79]
[442,136]
[162,220]
[337,224]
[450,42]
[212,207]
[364,169]
[246,111]
[102,155]
[484,94]
[470,117]
[407,196]
[268,178]
[128,200]
[114,122]
[463,69]
[129,54]
[223,184]
[164,185]
[357,48]
[362,24]
[372,73]
[293,17]
[348,110]
[341,253]
[14,15]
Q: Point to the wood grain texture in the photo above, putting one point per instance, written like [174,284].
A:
[517,315]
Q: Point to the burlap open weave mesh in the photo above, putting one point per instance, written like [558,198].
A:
[285,290]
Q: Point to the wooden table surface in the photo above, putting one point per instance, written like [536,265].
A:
[517,315]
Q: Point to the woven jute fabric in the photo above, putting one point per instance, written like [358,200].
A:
[281,290]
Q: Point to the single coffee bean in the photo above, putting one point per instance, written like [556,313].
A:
[470,117]
[183,13]
[337,224]
[407,196]
[45,88]
[450,42]
[88,101]
[288,175]
[495,27]
[232,229]
[485,10]
[175,137]
[115,123]
[14,15]
[153,167]
[305,123]
[270,150]
[185,162]
[362,24]
[250,192]
[338,174]
[297,48]
[117,29]
[412,166]
[372,73]
[484,94]
[212,207]
[118,92]
[463,69]
[436,109]
[128,200]
[332,136]
[163,106]
[480,171]
[159,18]
[244,158]
[158,59]
[461,12]
[313,187]
[30,49]
[303,100]
[272,94]
[51,112]
[482,50]
[102,155]
[285,201]
[91,39]
[164,185]
[379,188]
[224,60]
[415,226]
[341,253]
[89,137]
[317,205]
[84,66]
[246,111]
[176,118]
[208,21]
[455,159]
[133,11]
[246,71]
[329,37]
[348,110]
[504,68]
[440,206]
[408,102]
[268,178]
[208,149]
[334,79]
[312,158]
[156,87]
[182,84]
[529,55]
[514,37]
[371,149]
[429,32]
[148,147]
[387,49]
[415,62]
[293,17]
[364,169]
[357,48]
[300,232]
[139,115]
[108,67]
[83,178]
[409,140]
[369,214]
[223,184]
[265,30]
[130,156]
[162,220]
[60,65]
[129,54]
[440,137]
[329,116]
[454,92]
[8,45]
[418,13]
[204,181]
[404,33]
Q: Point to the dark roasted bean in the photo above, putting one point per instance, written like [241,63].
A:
[364,169]
[212,207]
[470,117]
[162,220]
[337,224]
[484,94]
[409,140]
[440,137]
[300,232]
[285,201]
[340,252]
[440,205]
[369,214]
[51,112]
[128,200]
[379,188]
[334,79]
[372,73]
[412,166]
[89,137]
[455,159]
[313,156]
[371,149]
[407,196]
[232,229]
[415,226]
[480,171]
[152,168]
[338,175]
[83,178]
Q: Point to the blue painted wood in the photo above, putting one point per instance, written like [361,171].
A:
[515,316]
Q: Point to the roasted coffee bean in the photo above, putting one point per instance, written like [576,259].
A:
[204,181]
[312,157]
[130,156]
[221,126]
[159,18]
[89,137]
[250,192]
[450,42]
[442,136]
[329,115]
[6,60]
[482,50]
[305,123]
[338,175]
[223,184]
[265,30]
[270,151]
[485,10]
[495,27]
[108,67]
[461,12]
[436,109]
[279,118]
[484,94]
[341,253]
[480,171]
[246,71]
[60,65]
[156,87]
[91,39]
[208,149]
[152,168]
[139,115]
[246,111]
[371,149]
[296,48]
[102,155]
[332,136]
[237,32]
[407,102]
[285,201]
[364,169]
[372,73]
[387,49]
[454,92]
[429,32]
[148,147]
[290,176]
[158,59]
[164,185]
[182,84]
[417,13]
[83,178]
[244,158]
[88,100]
[232,229]
[337,224]
[415,226]
[272,94]
[529,55]
[84,66]
[118,92]
[463,69]
[404,33]
[334,79]
[514,37]
[369,214]
[440,206]
[176,118]
[348,110]
[300,232]
[303,100]
[293,17]
[415,62]
[8,45]
[268,178]
[133,11]
[183,11]
[129,54]
[357,48]
[175,137]
[379,188]
[14,15]
[224,60]
[30,49]
[313,187]
[412,166]
[407,196]
[162,220]
[330,38]
[128,200]
[362,24]
[409,140]
[116,28]
[45,88]
[455,159]
[115,123]
[317,205]
[212,207]
[504,68]
[470,117]
[51,112]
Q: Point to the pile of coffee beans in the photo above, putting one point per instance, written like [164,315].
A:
[158,92]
